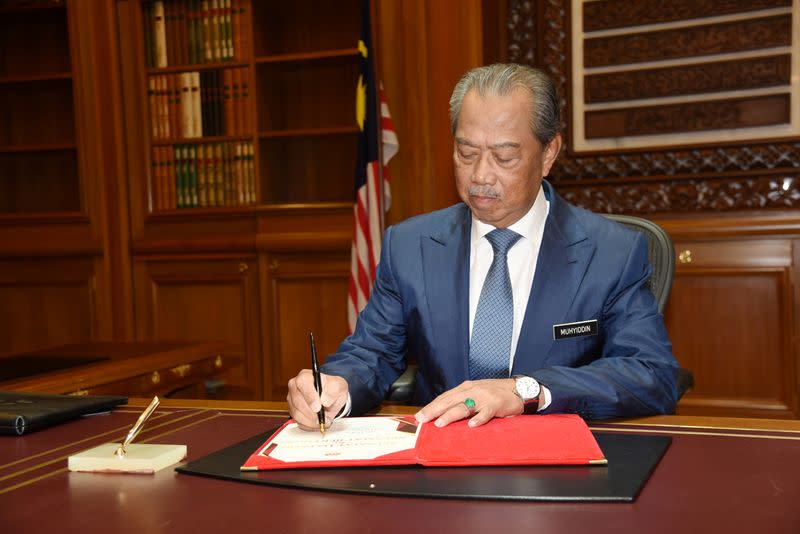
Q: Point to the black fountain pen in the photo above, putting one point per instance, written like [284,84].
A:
[317,383]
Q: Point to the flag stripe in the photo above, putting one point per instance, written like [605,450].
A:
[373,196]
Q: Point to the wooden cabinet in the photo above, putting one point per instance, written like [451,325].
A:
[212,297]
[63,238]
[732,315]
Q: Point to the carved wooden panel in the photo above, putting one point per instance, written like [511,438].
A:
[730,320]
[302,293]
[203,298]
[607,14]
[709,176]
[46,303]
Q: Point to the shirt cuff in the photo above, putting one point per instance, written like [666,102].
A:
[346,410]
[546,400]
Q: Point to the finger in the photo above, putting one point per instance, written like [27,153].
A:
[481,417]
[299,408]
[438,406]
[455,412]
[304,382]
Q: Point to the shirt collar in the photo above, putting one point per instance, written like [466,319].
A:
[534,219]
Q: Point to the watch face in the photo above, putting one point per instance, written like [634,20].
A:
[527,388]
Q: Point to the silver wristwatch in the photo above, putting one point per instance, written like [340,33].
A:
[527,389]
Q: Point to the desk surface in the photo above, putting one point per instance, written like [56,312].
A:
[719,474]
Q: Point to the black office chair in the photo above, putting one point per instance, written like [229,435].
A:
[662,258]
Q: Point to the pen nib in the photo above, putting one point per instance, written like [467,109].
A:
[322,429]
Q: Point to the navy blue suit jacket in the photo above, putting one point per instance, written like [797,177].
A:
[589,268]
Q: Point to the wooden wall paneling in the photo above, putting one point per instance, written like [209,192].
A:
[102,141]
[427,46]
[45,303]
[209,297]
[730,320]
[302,293]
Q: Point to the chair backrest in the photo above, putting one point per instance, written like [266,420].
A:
[660,252]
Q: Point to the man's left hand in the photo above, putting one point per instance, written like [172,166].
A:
[492,397]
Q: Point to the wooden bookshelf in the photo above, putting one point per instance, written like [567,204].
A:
[39,169]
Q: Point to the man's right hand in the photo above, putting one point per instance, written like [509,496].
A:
[304,402]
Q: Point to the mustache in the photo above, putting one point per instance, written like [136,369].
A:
[483,191]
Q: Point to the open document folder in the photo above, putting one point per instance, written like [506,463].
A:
[400,440]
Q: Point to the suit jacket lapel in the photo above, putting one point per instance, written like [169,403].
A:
[563,259]
[445,264]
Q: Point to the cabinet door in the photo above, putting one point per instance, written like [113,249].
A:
[302,293]
[46,303]
[730,319]
[207,298]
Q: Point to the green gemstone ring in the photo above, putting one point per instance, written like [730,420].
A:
[470,404]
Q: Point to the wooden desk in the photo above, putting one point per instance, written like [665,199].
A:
[130,368]
[719,475]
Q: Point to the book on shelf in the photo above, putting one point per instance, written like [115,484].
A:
[186,32]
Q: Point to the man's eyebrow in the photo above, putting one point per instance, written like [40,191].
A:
[504,144]
[462,141]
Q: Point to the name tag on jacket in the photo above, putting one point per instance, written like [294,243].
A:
[579,329]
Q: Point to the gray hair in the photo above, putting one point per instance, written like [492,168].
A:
[501,79]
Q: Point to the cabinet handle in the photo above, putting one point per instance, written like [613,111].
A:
[243,267]
[685,256]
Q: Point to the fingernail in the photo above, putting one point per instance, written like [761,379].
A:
[439,423]
[472,423]
[420,417]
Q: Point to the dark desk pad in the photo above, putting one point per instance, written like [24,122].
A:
[15,367]
[631,460]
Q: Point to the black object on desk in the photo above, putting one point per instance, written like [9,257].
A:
[22,412]
[631,460]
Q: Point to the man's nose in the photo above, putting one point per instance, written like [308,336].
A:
[482,173]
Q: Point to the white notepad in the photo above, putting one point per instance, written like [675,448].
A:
[142,458]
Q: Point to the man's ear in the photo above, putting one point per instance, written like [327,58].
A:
[551,151]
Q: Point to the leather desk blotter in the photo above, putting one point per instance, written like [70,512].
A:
[631,460]
[22,412]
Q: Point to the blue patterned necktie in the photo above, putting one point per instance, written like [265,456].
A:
[490,346]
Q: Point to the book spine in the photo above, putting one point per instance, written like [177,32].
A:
[244,102]
[216,47]
[183,31]
[228,31]
[227,99]
[191,163]
[205,15]
[202,185]
[191,31]
[250,172]
[155,181]
[219,103]
[186,104]
[219,180]
[163,107]
[197,119]
[236,50]
[160,31]
[211,187]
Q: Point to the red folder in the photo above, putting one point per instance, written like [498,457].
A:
[562,439]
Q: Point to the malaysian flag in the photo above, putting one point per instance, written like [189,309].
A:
[373,196]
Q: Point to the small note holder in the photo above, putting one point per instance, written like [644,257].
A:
[127,457]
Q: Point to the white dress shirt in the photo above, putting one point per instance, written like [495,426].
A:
[522,258]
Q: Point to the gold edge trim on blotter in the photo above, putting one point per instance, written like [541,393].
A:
[50,451]
[96,436]
[690,433]
[741,428]
[32,480]
[64,469]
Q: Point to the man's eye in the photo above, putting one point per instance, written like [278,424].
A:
[466,156]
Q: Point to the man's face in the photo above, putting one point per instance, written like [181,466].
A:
[499,163]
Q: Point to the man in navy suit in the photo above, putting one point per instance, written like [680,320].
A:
[585,335]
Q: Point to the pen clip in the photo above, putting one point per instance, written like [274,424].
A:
[137,426]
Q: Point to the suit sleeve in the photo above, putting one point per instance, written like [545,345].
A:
[373,357]
[636,372]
